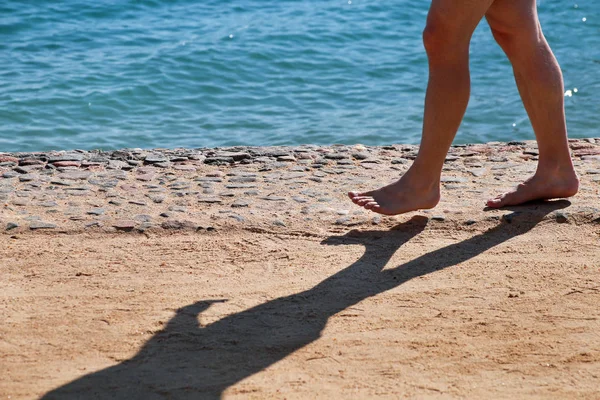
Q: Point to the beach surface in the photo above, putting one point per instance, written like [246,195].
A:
[246,272]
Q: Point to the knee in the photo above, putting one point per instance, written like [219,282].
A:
[442,39]
[516,40]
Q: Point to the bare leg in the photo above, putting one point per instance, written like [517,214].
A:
[516,28]
[450,25]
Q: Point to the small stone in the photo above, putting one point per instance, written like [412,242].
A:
[470,222]
[399,161]
[145,177]
[66,157]
[240,203]
[93,224]
[41,225]
[8,159]
[343,221]
[163,165]
[219,160]
[278,222]
[20,202]
[75,175]
[11,225]
[274,198]
[143,218]
[27,177]
[240,186]
[116,164]
[60,183]
[478,172]
[453,179]
[294,175]
[208,179]
[439,218]
[124,225]
[67,164]
[360,156]
[137,202]
[155,158]
[235,156]
[252,193]
[156,199]
[336,156]
[209,200]
[96,211]
[48,204]
[562,217]
[237,217]
[184,167]
[243,179]
[299,199]
[509,218]
[179,225]
[287,158]
[10,174]
[144,226]
[115,202]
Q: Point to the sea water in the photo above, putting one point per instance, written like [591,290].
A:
[109,74]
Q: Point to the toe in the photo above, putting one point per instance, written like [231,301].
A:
[370,205]
[495,202]
[365,200]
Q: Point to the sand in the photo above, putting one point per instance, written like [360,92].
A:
[285,301]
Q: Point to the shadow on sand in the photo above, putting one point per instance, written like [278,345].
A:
[188,361]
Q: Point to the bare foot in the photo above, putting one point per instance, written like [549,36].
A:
[541,186]
[397,198]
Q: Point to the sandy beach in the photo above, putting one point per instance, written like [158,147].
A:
[246,272]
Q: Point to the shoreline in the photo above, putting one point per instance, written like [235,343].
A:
[277,188]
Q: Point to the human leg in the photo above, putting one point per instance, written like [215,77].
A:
[450,25]
[516,28]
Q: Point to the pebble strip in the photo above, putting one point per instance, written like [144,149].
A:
[301,188]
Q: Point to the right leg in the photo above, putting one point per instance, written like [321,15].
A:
[450,25]
[516,28]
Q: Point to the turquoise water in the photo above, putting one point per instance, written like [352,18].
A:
[115,73]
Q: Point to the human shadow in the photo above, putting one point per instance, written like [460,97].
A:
[189,361]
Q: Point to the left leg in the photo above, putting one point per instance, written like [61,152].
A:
[516,28]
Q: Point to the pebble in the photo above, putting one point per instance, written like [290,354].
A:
[240,203]
[124,224]
[178,225]
[10,174]
[453,179]
[286,159]
[48,204]
[274,198]
[156,199]
[75,175]
[11,226]
[155,158]
[66,157]
[562,217]
[96,211]
[41,225]
[209,200]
